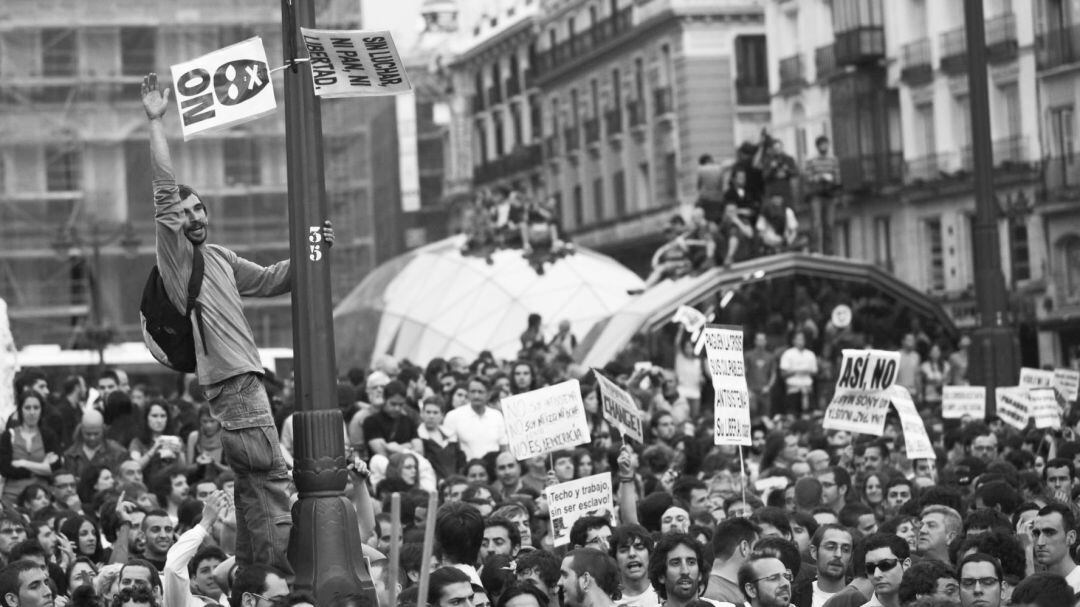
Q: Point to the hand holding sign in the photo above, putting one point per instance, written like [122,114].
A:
[155,101]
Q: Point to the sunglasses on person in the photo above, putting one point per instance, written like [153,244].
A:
[882,565]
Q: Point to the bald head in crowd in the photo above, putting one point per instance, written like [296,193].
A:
[92,428]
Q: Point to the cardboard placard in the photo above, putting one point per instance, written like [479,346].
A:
[731,407]
[916,441]
[545,420]
[861,401]
[1013,406]
[1035,378]
[1067,383]
[574,499]
[960,401]
[354,63]
[620,409]
[224,88]
[1044,408]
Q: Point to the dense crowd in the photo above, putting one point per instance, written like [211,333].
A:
[132,486]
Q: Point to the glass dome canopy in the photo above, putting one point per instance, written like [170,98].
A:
[436,302]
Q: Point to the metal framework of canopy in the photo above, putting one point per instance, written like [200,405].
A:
[652,310]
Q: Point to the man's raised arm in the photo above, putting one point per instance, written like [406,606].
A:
[156,101]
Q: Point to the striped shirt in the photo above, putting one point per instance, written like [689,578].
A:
[823,168]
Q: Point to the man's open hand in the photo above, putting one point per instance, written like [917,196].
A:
[155,101]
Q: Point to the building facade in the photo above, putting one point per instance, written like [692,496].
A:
[887,82]
[76,215]
[603,107]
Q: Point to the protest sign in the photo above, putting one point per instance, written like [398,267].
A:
[1035,378]
[861,401]
[731,407]
[1044,408]
[620,409]
[574,499]
[545,420]
[691,319]
[354,63]
[960,401]
[1067,383]
[1012,406]
[916,442]
[224,88]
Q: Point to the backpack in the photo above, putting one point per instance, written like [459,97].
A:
[166,332]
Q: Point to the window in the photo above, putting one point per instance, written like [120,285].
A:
[552,38]
[1018,249]
[639,79]
[1062,131]
[935,249]
[924,128]
[1070,264]
[480,137]
[241,161]
[515,119]
[665,65]
[883,242]
[58,56]
[671,176]
[497,129]
[1010,102]
[594,87]
[592,16]
[618,182]
[555,117]
[962,121]
[598,198]
[138,50]
[842,237]
[579,206]
[854,14]
[575,108]
[751,65]
[63,168]
[616,88]
[642,193]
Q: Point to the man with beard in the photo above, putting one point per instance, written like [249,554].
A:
[765,581]
[178,587]
[676,571]
[831,549]
[588,578]
[631,546]
[158,529]
[886,561]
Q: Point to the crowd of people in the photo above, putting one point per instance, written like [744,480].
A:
[747,208]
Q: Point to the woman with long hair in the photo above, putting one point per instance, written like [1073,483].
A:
[94,480]
[873,493]
[523,377]
[583,463]
[406,467]
[157,447]
[33,499]
[459,397]
[85,538]
[204,444]
[29,453]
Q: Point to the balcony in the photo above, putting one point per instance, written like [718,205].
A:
[825,62]
[662,101]
[636,110]
[954,52]
[792,74]
[1058,47]
[1012,153]
[572,138]
[1001,46]
[592,131]
[915,64]
[584,43]
[923,169]
[860,45]
[495,95]
[513,87]
[613,122]
[751,93]
[1061,176]
[871,171]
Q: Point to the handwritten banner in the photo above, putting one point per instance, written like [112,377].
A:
[958,402]
[1035,378]
[861,401]
[1067,383]
[1013,406]
[916,441]
[569,501]
[224,88]
[1044,408]
[545,420]
[731,407]
[620,409]
[354,63]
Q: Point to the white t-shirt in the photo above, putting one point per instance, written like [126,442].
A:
[804,367]
[1074,579]
[820,596]
[477,434]
[648,598]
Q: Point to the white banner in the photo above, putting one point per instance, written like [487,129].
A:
[1067,383]
[545,420]
[354,63]
[1044,408]
[861,401]
[960,401]
[1013,406]
[731,406]
[574,499]
[691,319]
[916,442]
[1035,378]
[224,88]
[620,409]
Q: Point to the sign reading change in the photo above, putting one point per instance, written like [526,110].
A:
[731,408]
[862,401]
[545,420]
[619,408]
[353,63]
[224,88]
[574,499]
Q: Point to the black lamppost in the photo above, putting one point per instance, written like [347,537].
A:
[71,243]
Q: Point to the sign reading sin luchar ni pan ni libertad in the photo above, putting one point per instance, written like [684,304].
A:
[353,63]
[545,420]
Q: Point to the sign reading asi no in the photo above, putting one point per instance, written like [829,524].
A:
[224,88]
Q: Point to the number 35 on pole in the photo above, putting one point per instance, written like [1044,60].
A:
[317,237]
